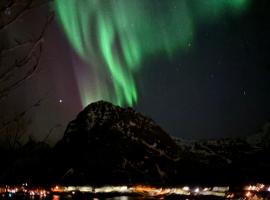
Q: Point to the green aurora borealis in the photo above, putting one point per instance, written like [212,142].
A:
[114,37]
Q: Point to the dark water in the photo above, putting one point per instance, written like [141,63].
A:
[106,197]
[137,197]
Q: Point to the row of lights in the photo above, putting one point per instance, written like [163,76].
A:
[253,189]
[11,191]
[153,191]
[258,187]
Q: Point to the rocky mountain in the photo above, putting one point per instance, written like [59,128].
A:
[110,144]
[230,160]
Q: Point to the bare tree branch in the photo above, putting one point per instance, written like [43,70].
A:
[17,15]
[27,6]
[14,73]
[34,54]
[51,131]
[22,114]
[7,5]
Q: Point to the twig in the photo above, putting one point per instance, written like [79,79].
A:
[28,6]
[8,73]
[22,114]
[51,131]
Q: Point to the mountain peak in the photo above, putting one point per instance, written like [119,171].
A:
[118,142]
[102,112]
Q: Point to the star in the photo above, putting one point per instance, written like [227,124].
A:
[60,101]
[212,76]
[244,92]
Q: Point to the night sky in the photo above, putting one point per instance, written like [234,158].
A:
[200,70]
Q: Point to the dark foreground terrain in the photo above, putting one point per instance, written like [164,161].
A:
[107,144]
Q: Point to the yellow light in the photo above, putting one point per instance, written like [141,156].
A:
[186,188]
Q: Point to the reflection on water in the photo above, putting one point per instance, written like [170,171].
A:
[55,197]
[58,197]
[121,198]
[69,197]
[138,197]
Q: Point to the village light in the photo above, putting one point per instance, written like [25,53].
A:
[248,194]
[197,190]
[186,188]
